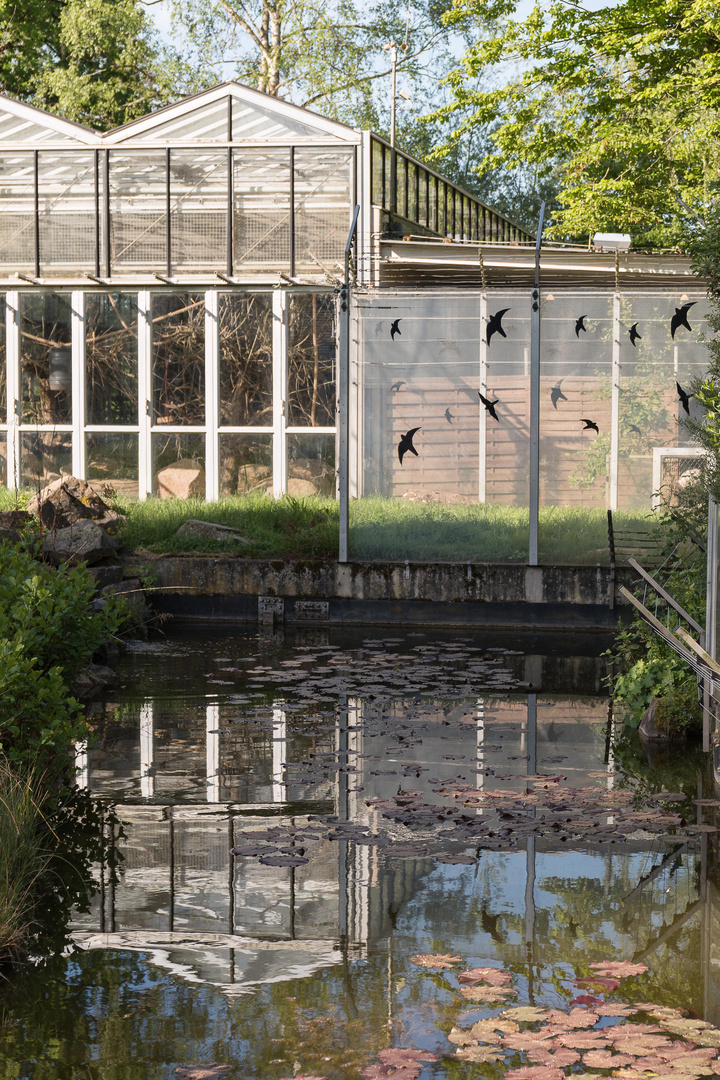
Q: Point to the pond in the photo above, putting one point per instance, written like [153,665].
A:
[337,855]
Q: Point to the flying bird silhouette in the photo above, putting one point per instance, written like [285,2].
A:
[395,329]
[406,444]
[556,393]
[589,424]
[495,324]
[490,405]
[580,325]
[398,384]
[680,318]
[684,398]
[636,429]
[634,336]
[449,416]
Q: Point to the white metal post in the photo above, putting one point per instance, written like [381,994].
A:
[279,754]
[534,539]
[482,411]
[144,393]
[615,406]
[12,357]
[77,323]
[147,750]
[711,588]
[279,394]
[343,323]
[212,752]
[212,446]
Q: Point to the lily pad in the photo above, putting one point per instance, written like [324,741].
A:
[202,1072]
[444,961]
[491,975]
[478,1054]
[621,969]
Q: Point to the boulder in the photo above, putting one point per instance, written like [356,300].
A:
[182,479]
[84,541]
[208,530]
[93,679]
[8,535]
[69,500]
[14,519]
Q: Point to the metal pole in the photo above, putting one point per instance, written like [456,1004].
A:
[615,405]
[535,401]
[344,398]
[711,587]
[36,211]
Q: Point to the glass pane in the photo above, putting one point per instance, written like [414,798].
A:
[311,360]
[17,235]
[322,206]
[246,464]
[111,351]
[411,212]
[246,359]
[3,362]
[575,387]
[311,465]
[112,462]
[44,457]
[198,209]
[178,463]
[45,358]
[178,358]
[138,227]
[261,209]
[376,179]
[401,204]
[3,458]
[66,202]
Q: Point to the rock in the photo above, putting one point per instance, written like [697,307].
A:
[296,486]
[14,519]
[107,572]
[84,541]
[9,536]
[93,679]
[208,530]
[69,500]
[184,478]
[649,727]
[134,593]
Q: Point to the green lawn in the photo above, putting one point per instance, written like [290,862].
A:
[380,528]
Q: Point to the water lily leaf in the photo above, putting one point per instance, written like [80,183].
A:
[283,860]
[531,1040]
[586,999]
[631,1030]
[491,1031]
[610,1008]
[456,860]
[621,969]
[202,1072]
[560,1059]
[535,1072]
[603,1059]
[304,1077]
[478,1054]
[396,1057]
[685,1025]
[461,1037]
[583,1040]
[640,1045]
[491,975]
[487,994]
[599,980]
[525,1012]
[576,1018]
[444,961]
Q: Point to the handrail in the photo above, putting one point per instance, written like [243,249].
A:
[666,596]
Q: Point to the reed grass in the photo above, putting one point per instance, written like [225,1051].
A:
[22,860]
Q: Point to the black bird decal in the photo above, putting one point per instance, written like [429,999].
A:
[580,325]
[636,429]
[634,336]
[556,393]
[684,398]
[680,318]
[449,416]
[406,444]
[398,384]
[490,405]
[495,324]
[395,329]
[589,424]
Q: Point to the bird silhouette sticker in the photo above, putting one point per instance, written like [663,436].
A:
[494,325]
[397,385]
[589,424]
[684,398]
[680,318]
[580,325]
[449,416]
[395,329]
[634,336]
[490,406]
[636,429]
[405,446]
[556,393]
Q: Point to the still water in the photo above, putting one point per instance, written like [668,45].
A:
[386,798]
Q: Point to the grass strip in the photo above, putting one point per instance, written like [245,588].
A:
[22,860]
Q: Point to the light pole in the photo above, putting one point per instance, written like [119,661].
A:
[392,48]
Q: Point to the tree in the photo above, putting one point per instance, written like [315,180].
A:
[97,62]
[617,106]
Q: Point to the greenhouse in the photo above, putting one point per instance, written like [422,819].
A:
[235,295]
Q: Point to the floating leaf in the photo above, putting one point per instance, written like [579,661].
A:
[202,1072]
[282,860]
[478,1054]
[559,1059]
[491,975]
[576,1018]
[583,1040]
[603,1059]
[444,961]
[586,999]
[396,1057]
[456,860]
[621,969]
[487,994]
[610,1008]
[640,1045]
[490,1031]
[530,1040]
[535,1072]
[525,1012]
[599,980]
[460,1037]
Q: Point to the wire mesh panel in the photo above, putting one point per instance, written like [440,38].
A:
[178,358]
[246,359]
[261,209]
[661,354]
[435,469]
[66,205]
[311,360]
[111,358]
[45,358]
[17,235]
[246,464]
[323,180]
[138,218]
[198,209]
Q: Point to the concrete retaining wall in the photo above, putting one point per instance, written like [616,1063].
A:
[559,597]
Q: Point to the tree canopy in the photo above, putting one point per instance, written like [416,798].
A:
[617,108]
